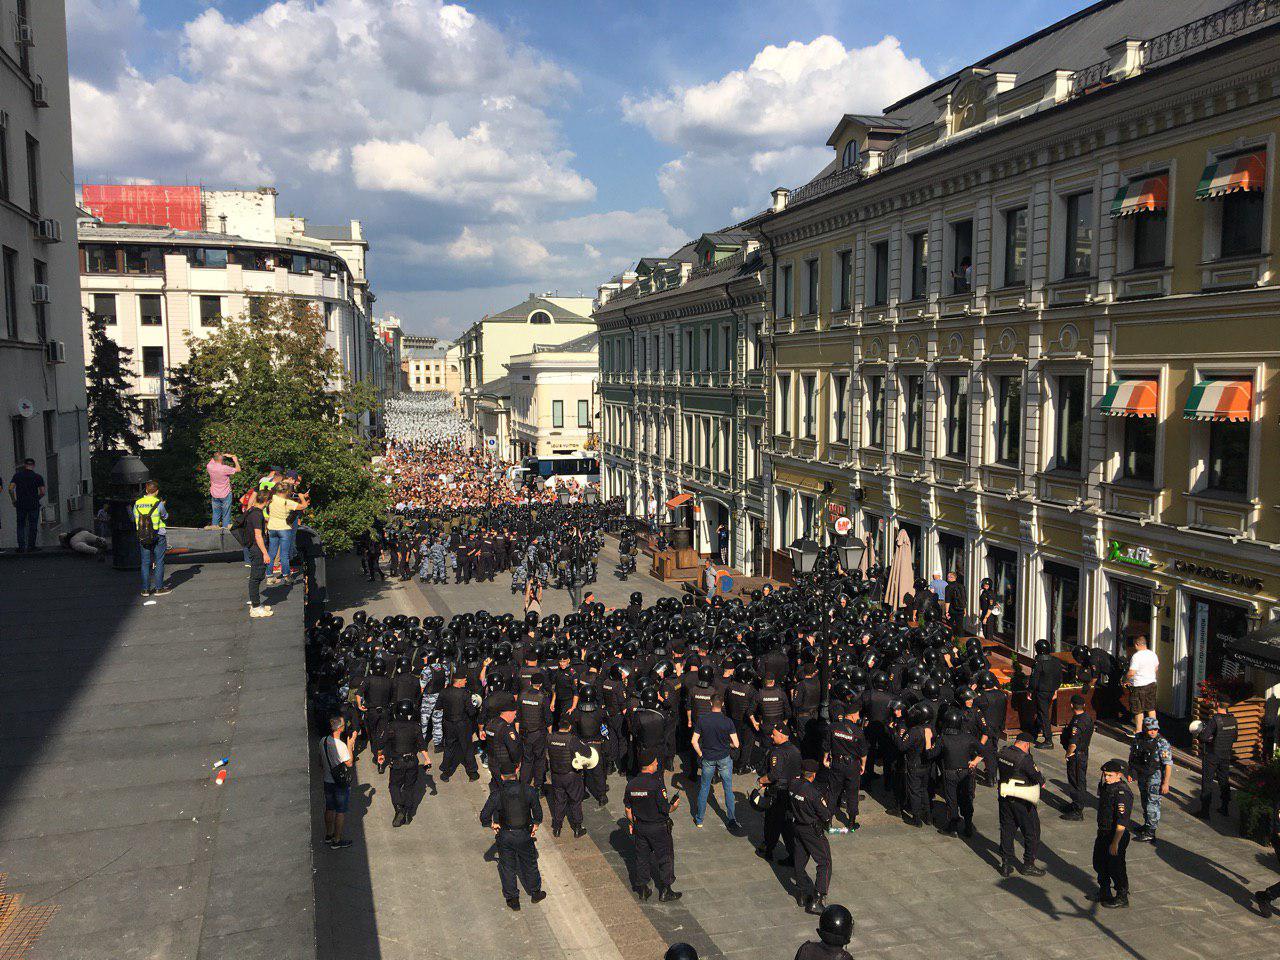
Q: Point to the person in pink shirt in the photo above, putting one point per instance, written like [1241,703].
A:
[222,467]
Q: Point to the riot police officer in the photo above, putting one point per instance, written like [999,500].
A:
[835,930]
[782,765]
[649,822]
[1217,738]
[1017,814]
[402,747]
[567,786]
[1046,678]
[959,753]
[810,818]
[533,718]
[457,704]
[589,724]
[846,756]
[514,811]
[374,700]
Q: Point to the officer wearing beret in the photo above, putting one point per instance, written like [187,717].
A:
[1115,806]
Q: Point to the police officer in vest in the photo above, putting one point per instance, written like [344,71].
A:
[959,754]
[649,821]
[514,811]
[459,710]
[1046,678]
[773,710]
[739,705]
[501,742]
[846,757]
[782,765]
[835,930]
[993,704]
[1115,806]
[810,818]
[1217,737]
[647,727]
[1076,736]
[567,788]
[1018,814]
[588,722]
[404,749]
[374,700]
[533,717]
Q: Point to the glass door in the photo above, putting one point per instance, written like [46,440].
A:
[1133,616]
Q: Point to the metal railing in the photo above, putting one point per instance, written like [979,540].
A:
[818,188]
[1216,26]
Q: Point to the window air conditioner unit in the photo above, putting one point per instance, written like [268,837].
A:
[23,35]
[39,92]
[48,230]
[74,503]
[55,351]
[39,293]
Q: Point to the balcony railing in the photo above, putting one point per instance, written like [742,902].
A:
[1216,26]
[819,188]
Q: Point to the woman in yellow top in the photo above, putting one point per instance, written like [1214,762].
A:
[279,530]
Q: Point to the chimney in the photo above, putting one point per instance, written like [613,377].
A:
[780,197]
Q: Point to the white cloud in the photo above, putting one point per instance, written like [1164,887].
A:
[764,126]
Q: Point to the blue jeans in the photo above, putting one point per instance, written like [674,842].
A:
[153,557]
[221,510]
[710,770]
[277,549]
[1149,792]
[291,540]
[28,527]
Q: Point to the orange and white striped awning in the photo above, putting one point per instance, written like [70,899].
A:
[1142,196]
[1242,174]
[1132,398]
[1220,400]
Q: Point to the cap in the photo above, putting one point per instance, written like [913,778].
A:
[1115,766]
[1077,700]
[1151,723]
[810,766]
[503,702]
[1025,736]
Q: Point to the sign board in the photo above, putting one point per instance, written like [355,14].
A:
[843,526]
[491,441]
[835,511]
[1130,555]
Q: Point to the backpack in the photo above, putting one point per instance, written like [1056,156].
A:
[238,531]
[148,534]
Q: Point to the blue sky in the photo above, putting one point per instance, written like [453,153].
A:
[495,148]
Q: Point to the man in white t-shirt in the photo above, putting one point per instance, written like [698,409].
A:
[335,751]
[1143,667]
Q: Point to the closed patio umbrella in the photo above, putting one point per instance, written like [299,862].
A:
[865,563]
[902,572]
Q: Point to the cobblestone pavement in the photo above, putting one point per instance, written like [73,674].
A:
[429,890]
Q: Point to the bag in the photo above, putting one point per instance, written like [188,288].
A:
[341,774]
[148,534]
[239,533]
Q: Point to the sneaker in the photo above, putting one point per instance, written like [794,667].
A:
[698,824]
[1146,836]
[145,593]
[258,613]
[162,591]
[340,844]
[538,897]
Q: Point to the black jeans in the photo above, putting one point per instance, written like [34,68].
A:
[1112,871]
[257,572]
[518,857]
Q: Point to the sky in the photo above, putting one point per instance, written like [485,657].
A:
[496,148]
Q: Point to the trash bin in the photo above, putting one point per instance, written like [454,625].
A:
[127,483]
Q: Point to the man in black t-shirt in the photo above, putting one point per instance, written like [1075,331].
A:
[26,490]
[255,531]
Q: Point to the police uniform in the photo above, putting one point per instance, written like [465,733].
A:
[650,813]
[1077,734]
[915,771]
[816,950]
[956,751]
[1115,807]
[781,766]
[1217,745]
[847,747]
[739,704]
[1017,815]
[773,709]
[459,714]
[400,744]
[1046,678]
[588,721]
[567,786]
[501,747]
[533,717]
[993,705]
[810,818]
[375,692]
[516,809]
[437,558]
[435,678]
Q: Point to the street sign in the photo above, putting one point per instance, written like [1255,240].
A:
[491,441]
[843,525]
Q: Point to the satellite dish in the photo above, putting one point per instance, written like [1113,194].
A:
[26,409]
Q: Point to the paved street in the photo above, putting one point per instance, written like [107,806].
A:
[429,890]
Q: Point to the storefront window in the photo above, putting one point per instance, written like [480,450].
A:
[1133,615]
[952,549]
[1062,584]
[1211,624]
[1003,570]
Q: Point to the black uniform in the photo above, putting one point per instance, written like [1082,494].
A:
[588,721]
[1046,678]
[739,704]
[648,730]
[781,766]
[915,771]
[515,807]
[459,713]
[375,691]
[847,747]
[1019,816]
[1078,733]
[816,950]
[567,788]
[993,705]
[646,799]
[401,742]
[810,817]
[1115,805]
[806,699]
[533,716]
[773,709]
[502,748]
[956,750]
[1217,744]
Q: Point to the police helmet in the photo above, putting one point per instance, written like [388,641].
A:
[1043,647]
[835,926]
[404,709]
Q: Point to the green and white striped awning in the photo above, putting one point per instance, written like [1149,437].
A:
[1223,400]
[1242,174]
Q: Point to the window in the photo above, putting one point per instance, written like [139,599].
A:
[919,265]
[153,361]
[1138,456]
[880,273]
[150,415]
[784,404]
[845,258]
[252,259]
[784,308]
[808,383]
[33,175]
[584,412]
[1009,420]
[756,460]
[143,260]
[149,310]
[1079,247]
[957,424]
[298,263]
[1242,223]
[726,353]
[104,305]
[99,258]
[215,257]
[210,311]
[706,348]
[4,163]
[849,157]
[952,550]
[11,293]
[1003,567]
[40,274]
[811,282]
[839,407]
[808,512]
[1068,410]
[539,316]
[671,351]
[914,440]
[1015,247]
[875,411]
[1062,583]
[1149,228]
[784,518]
[687,359]
[557,413]
[1228,467]
[962,256]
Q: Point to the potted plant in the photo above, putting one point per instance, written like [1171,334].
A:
[1256,798]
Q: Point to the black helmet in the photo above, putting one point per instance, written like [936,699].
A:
[1043,647]
[649,698]
[1080,652]
[636,599]
[404,710]
[680,951]
[987,680]
[920,713]
[879,680]
[835,926]
[952,719]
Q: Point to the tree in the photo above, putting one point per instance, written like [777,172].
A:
[269,389]
[114,410]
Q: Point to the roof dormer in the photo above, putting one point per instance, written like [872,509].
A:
[857,135]
[970,100]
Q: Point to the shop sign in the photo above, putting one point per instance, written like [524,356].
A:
[1202,572]
[835,511]
[843,525]
[1130,555]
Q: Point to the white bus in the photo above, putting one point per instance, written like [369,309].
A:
[580,466]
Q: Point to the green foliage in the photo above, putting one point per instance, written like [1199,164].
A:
[114,411]
[1256,798]
[268,389]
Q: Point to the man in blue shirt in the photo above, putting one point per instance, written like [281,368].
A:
[26,490]
[714,737]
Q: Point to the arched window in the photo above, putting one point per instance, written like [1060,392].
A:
[540,316]
[850,156]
